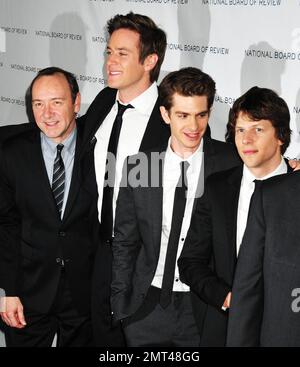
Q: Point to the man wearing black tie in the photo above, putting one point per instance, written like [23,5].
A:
[259,125]
[153,216]
[48,220]
[123,119]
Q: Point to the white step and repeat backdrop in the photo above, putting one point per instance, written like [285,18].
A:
[240,43]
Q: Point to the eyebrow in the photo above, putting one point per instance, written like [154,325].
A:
[52,99]
[188,113]
[119,48]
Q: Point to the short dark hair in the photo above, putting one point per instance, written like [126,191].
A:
[153,40]
[262,104]
[71,79]
[186,82]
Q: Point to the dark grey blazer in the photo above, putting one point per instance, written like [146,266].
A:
[268,268]
[138,231]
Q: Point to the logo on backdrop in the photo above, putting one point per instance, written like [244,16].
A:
[242,2]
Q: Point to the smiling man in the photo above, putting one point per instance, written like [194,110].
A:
[155,307]
[123,119]
[48,220]
[259,125]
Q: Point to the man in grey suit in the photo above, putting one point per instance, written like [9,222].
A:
[152,218]
[265,297]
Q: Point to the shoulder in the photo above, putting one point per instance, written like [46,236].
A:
[283,182]
[13,135]
[222,147]
[104,96]
[11,131]
[223,177]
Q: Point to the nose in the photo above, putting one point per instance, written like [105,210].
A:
[47,110]
[111,59]
[193,125]
[247,136]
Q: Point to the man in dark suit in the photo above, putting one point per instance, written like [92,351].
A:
[265,302]
[48,220]
[155,307]
[259,125]
[135,52]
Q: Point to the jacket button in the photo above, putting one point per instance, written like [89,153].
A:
[62,234]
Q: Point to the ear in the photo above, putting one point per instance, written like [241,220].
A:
[165,115]
[150,62]
[77,103]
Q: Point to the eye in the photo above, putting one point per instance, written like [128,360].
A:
[182,115]
[58,103]
[37,104]
[258,129]
[239,130]
[203,114]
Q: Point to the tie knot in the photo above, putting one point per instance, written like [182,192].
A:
[59,148]
[122,108]
[258,183]
[184,165]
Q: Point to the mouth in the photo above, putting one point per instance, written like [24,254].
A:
[51,123]
[114,73]
[192,136]
[250,151]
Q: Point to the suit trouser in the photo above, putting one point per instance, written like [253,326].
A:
[153,326]
[72,329]
[105,333]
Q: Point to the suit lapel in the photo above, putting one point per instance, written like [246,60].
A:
[231,195]
[156,202]
[40,173]
[83,161]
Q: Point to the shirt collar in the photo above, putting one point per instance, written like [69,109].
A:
[69,143]
[144,102]
[174,159]
[280,169]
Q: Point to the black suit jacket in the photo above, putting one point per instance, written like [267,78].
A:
[32,236]
[138,228]
[264,308]
[208,259]
[157,132]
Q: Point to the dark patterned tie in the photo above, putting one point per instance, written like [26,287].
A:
[108,190]
[177,218]
[58,181]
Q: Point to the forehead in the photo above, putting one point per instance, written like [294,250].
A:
[55,84]
[244,120]
[189,103]
[124,38]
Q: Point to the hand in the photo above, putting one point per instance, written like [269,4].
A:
[12,312]
[227,301]
[295,164]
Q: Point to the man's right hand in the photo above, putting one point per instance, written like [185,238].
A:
[12,312]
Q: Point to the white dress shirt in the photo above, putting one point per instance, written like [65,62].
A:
[134,124]
[246,191]
[171,176]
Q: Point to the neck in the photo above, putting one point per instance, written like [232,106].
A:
[266,169]
[126,95]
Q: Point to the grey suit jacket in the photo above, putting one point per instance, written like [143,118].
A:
[138,227]
[268,269]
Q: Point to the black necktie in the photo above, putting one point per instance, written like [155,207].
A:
[58,181]
[177,217]
[108,190]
